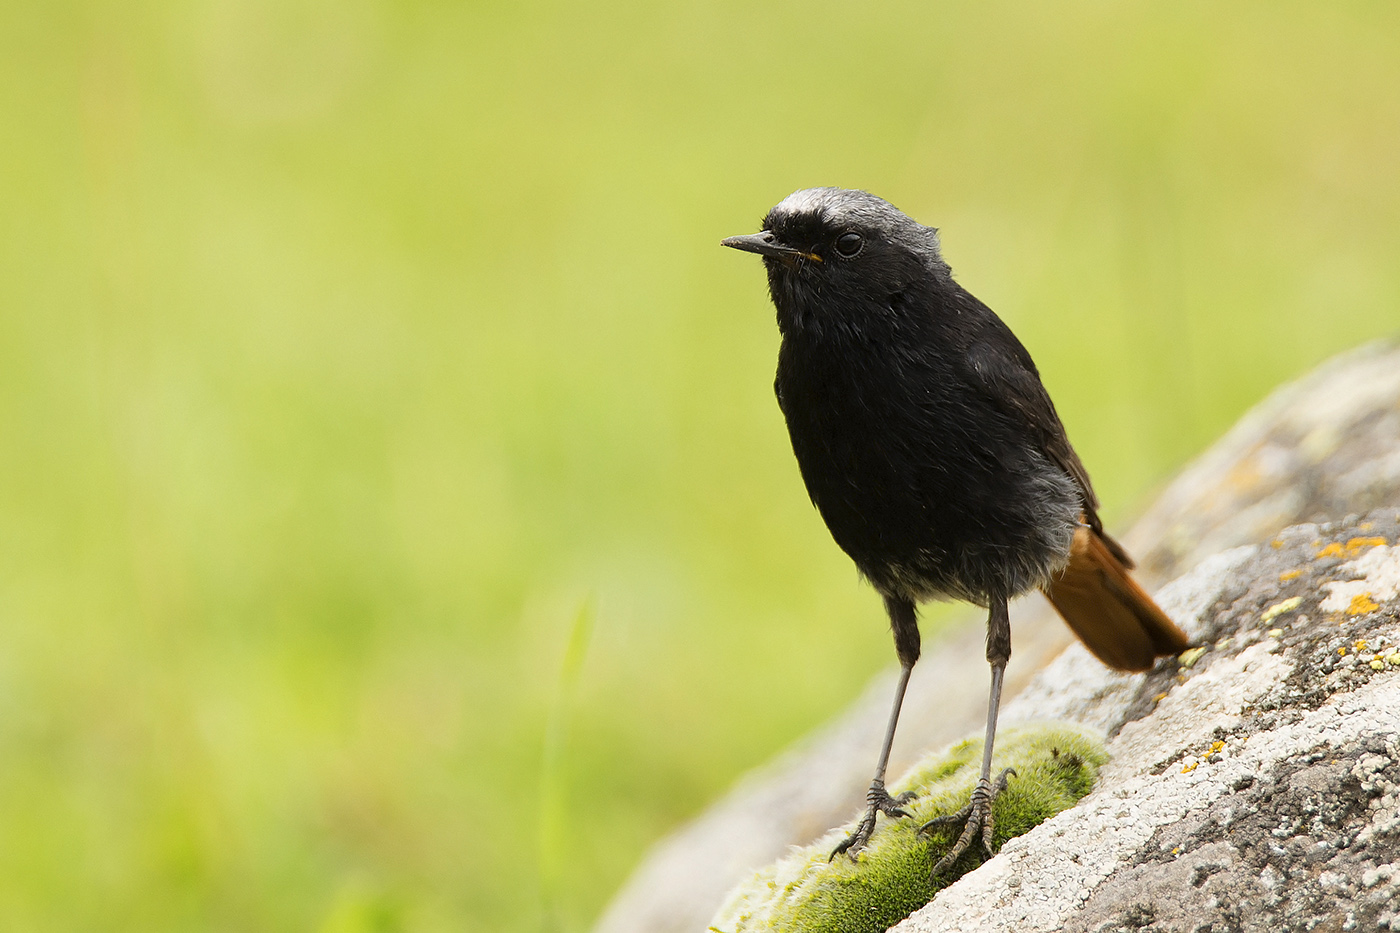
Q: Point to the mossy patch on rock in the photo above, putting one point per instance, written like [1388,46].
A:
[1055,765]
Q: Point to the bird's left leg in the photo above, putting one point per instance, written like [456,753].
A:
[904,622]
[977,815]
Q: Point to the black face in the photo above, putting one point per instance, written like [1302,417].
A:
[840,259]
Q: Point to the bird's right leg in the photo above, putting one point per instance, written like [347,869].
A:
[905,624]
[976,817]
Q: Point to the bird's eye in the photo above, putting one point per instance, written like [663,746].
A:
[848,244]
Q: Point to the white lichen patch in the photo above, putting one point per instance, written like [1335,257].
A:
[1077,687]
[1379,572]
[1369,770]
[1192,713]
[1187,598]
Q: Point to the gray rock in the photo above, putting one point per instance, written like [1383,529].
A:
[1325,446]
[1257,789]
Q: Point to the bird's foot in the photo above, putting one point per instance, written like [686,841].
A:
[878,800]
[977,815]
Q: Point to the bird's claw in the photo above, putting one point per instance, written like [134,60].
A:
[977,815]
[878,800]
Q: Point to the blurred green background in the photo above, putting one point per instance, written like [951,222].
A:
[358,358]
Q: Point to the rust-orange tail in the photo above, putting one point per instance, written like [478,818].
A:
[1110,613]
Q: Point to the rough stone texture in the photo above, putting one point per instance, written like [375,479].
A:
[1254,786]
[1323,447]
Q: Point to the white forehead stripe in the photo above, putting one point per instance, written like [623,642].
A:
[806,201]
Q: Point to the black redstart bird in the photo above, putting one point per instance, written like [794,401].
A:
[935,456]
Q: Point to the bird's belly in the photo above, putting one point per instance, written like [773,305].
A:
[940,514]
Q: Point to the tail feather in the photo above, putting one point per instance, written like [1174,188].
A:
[1105,607]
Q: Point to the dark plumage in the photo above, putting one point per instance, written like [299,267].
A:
[932,450]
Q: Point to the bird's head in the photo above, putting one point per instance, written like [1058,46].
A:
[842,261]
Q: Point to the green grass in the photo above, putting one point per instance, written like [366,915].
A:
[347,348]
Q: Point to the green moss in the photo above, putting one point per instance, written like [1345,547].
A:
[1056,765]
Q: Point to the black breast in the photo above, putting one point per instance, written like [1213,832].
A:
[929,487]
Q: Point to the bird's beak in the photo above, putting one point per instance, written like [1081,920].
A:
[765,244]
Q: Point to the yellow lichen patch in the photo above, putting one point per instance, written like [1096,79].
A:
[1276,543]
[1342,650]
[1393,659]
[1190,656]
[1278,609]
[1159,698]
[1289,575]
[1365,526]
[1192,762]
[1351,548]
[1359,645]
[1361,604]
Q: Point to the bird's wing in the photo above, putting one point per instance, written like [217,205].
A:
[1004,373]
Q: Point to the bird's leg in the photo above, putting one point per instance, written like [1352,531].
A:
[878,800]
[977,815]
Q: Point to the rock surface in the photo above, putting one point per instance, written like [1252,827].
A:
[1323,447]
[1253,786]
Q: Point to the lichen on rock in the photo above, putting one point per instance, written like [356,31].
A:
[1257,789]
[1055,764]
